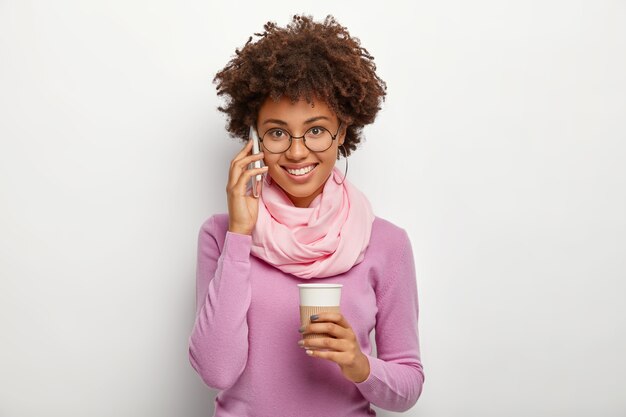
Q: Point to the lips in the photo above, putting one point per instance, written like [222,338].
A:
[301,170]
[300,178]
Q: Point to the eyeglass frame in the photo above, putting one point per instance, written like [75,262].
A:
[291,138]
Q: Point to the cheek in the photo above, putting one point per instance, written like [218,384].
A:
[270,161]
[331,157]
[274,167]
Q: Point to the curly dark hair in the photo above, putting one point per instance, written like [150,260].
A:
[303,60]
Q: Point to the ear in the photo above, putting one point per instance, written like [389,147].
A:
[342,135]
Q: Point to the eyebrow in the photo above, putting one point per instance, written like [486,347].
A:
[307,121]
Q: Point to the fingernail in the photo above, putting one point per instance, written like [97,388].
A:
[301,329]
[301,343]
[315,317]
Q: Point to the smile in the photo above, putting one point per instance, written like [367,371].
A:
[301,171]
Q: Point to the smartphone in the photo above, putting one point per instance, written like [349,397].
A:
[256,148]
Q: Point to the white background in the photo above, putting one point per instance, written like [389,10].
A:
[501,149]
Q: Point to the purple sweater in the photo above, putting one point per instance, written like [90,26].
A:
[244,342]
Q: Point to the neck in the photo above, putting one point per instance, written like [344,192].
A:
[304,202]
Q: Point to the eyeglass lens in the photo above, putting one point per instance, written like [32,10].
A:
[317,139]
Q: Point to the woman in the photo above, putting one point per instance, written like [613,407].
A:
[307,89]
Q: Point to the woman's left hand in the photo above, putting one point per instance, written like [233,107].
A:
[343,346]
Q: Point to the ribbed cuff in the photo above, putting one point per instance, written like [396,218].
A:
[237,247]
[371,384]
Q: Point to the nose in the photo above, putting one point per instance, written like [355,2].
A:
[297,150]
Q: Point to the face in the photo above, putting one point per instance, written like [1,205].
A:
[296,118]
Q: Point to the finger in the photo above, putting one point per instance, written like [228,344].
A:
[327,354]
[242,182]
[244,157]
[338,345]
[329,328]
[246,152]
[249,173]
[332,317]
[240,162]
[240,166]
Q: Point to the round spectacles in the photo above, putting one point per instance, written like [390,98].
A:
[316,139]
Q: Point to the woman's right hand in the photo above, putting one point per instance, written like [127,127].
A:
[243,209]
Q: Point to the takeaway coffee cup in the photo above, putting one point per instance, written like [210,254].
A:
[316,298]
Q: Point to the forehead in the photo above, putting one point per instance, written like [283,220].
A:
[294,113]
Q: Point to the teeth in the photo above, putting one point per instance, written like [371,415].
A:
[301,171]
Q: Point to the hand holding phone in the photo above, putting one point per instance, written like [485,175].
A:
[243,208]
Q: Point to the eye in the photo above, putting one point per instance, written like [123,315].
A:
[276,134]
[316,131]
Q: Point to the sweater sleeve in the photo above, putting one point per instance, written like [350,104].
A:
[218,345]
[396,375]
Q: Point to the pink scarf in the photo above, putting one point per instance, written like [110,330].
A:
[327,238]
